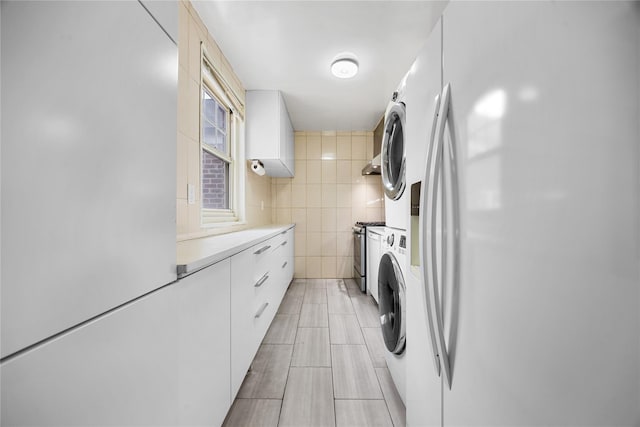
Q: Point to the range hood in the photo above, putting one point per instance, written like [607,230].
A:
[373,167]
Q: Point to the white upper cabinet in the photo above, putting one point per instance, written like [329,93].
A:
[165,14]
[88,163]
[269,132]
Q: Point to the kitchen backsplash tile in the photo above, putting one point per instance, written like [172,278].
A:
[314,146]
[358,148]
[343,146]
[327,195]
[314,171]
[329,147]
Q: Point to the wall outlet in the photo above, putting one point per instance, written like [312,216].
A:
[262,205]
[191,194]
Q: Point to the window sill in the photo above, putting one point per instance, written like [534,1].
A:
[215,225]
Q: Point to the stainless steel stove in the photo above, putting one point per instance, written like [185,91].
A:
[360,251]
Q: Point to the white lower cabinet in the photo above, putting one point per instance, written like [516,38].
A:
[374,253]
[118,370]
[204,336]
[260,276]
[175,357]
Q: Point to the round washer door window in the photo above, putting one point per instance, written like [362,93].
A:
[391,296]
[392,156]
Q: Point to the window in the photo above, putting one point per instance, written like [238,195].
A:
[216,154]
[221,174]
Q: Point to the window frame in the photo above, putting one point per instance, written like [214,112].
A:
[234,215]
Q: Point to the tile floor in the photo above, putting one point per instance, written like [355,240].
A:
[320,364]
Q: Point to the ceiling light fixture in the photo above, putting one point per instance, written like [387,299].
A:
[345,66]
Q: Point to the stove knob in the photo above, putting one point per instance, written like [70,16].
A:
[390,239]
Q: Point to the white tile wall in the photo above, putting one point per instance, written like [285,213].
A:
[324,199]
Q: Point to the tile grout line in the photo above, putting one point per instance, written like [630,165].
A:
[384,398]
[365,345]
[284,391]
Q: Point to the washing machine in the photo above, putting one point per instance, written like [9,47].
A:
[393,159]
[392,305]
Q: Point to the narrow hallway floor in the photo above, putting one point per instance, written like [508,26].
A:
[321,363]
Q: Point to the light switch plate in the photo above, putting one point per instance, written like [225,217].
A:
[191,194]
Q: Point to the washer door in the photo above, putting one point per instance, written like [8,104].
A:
[392,155]
[391,296]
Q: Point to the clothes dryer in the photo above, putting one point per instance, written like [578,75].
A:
[393,159]
[392,305]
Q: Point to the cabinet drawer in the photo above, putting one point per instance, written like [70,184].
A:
[259,278]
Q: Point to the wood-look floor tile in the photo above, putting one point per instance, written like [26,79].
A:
[314,316]
[268,374]
[367,311]
[353,374]
[254,412]
[391,396]
[282,329]
[316,284]
[353,288]
[339,303]
[344,329]
[366,413]
[290,305]
[308,400]
[312,348]
[315,296]
[375,346]
[296,289]
[336,286]
[350,283]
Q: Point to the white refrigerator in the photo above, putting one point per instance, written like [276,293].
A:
[524,278]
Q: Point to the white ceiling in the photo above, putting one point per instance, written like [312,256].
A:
[289,46]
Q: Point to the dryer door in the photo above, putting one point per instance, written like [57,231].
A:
[392,154]
[392,303]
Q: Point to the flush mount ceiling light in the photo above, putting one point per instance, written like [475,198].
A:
[344,66]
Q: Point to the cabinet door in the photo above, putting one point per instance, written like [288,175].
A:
[545,105]
[289,249]
[88,163]
[254,277]
[118,370]
[166,14]
[283,260]
[373,262]
[205,336]
[286,136]
[269,132]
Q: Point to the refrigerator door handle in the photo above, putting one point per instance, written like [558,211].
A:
[433,185]
[423,220]
[452,229]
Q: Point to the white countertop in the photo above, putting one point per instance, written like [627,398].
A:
[196,254]
[376,229]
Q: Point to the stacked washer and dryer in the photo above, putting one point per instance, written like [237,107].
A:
[392,269]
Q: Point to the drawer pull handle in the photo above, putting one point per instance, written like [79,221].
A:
[284,265]
[284,232]
[284,243]
[261,250]
[262,309]
[262,280]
